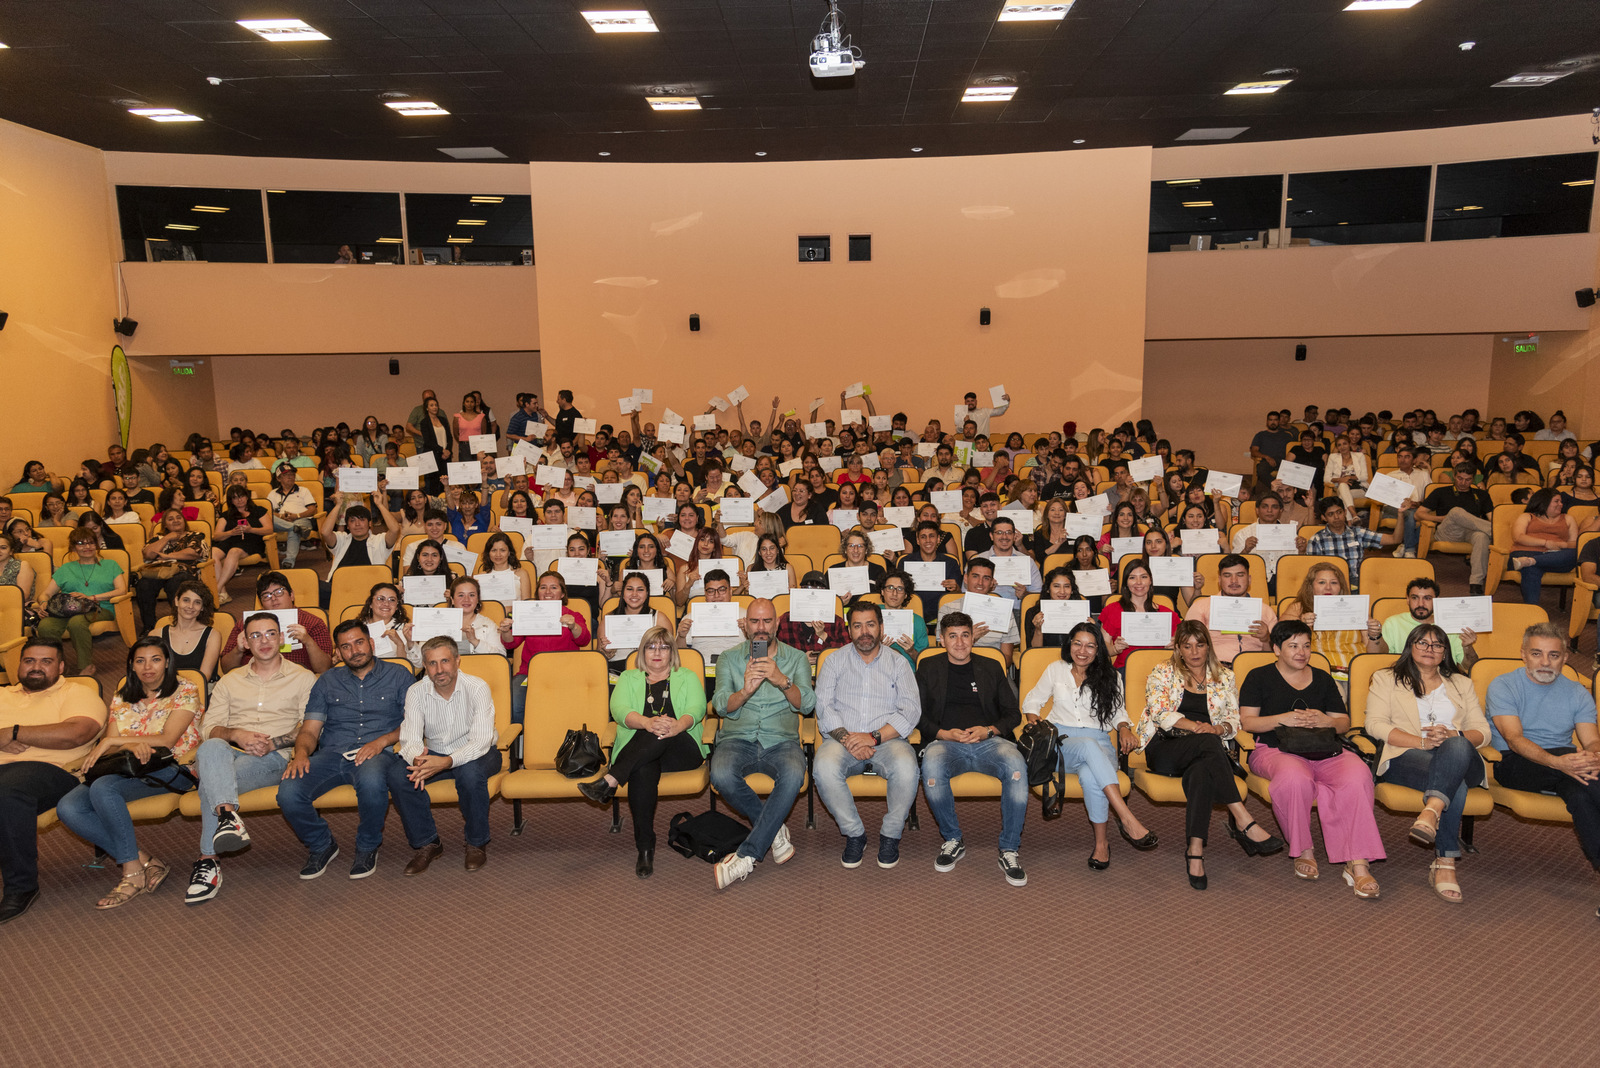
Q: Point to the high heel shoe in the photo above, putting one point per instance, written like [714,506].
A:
[647,863]
[1196,881]
[1265,848]
[599,791]
[1143,845]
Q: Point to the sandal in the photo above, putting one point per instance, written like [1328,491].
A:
[124,892]
[1366,887]
[1423,832]
[1306,867]
[1440,877]
[155,872]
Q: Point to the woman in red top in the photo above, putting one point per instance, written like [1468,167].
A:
[854,471]
[574,635]
[1136,597]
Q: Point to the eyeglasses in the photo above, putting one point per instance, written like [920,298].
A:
[1431,646]
[658,648]
[276,591]
[262,635]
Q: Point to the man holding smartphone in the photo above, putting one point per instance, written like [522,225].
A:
[763,688]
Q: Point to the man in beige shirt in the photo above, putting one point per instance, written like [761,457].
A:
[249,730]
[47,726]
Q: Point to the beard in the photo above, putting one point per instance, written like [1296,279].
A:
[34,681]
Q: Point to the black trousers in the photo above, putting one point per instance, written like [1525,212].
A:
[1582,798]
[639,767]
[1202,762]
[27,789]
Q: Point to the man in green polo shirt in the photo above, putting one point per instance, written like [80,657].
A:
[1420,593]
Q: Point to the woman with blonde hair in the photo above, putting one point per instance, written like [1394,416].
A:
[1339,646]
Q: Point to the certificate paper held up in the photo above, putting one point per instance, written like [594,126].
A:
[1456,614]
[1234,615]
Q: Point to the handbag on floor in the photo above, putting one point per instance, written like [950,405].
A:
[708,835]
[579,754]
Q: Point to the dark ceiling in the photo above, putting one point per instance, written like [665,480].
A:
[530,78]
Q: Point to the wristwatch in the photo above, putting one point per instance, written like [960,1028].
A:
[15,727]
[877,737]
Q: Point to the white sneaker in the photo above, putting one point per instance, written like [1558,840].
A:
[733,868]
[1400,552]
[782,848]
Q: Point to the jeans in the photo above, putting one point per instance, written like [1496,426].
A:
[733,759]
[1532,574]
[1445,773]
[225,773]
[297,531]
[894,760]
[98,811]
[997,757]
[1088,753]
[28,788]
[1409,530]
[328,769]
[519,697]
[1581,798]
[1459,524]
[472,794]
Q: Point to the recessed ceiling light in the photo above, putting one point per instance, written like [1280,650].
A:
[1381,5]
[1470,207]
[415,107]
[208,207]
[472,222]
[1345,223]
[674,103]
[603,154]
[276,30]
[1198,204]
[620,21]
[1271,85]
[1584,181]
[277,190]
[1034,12]
[180,226]
[984,94]
[388,241]
[1078,141]
[1183,181]
[499,200]
[458,240]
[1530,78]
[1211,133]
[164,114]
[761,153]
[917,149]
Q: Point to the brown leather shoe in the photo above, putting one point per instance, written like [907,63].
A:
[424,856]
[476,857]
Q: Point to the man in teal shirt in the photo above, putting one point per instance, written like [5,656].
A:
[760,700]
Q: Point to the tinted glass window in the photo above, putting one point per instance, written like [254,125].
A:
[457,228]
[162,223]
[1369,207]
[317,227]
[1514,197]
[1226,210]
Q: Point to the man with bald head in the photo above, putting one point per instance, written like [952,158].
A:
[763,688]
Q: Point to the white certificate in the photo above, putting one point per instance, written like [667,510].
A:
[738,396]
[401,478]
[581,517]
[768,584]
[887,540]
[579,570]
[927,449]
[880,424]
[1013,570]
[652,574]
[378,629]
[1095,582]
[714,619]
[855,390]
[982,459]
[1021,518]
[609,492]
[1061,616]
[789,467]
[870,461]
[515,524]
[289,617]
[549,537]
[947,501]
[1456,614]
[752,484]
[959,415]
[738,510]
[1300,476]
[1077,525]
[845,518]
[617,542]
[425,463]
[997,395]
[815,405]
[477,443]
[718,403]
[584,426]
[536,617]
[503,586]
[456,553]
[358,480]
[465,473]
[729,564]
[509,466]
[671,433]
[1148,629]
[850,417]
[627,405]
[829,464]
[550,477]
[644,396]
[1276,537]
[1172,570]
[897,621]
[655,509]
[816,430]
[1197,542]
[1121,547]
[1342,613]
[583,482]
[1234,615]
[774,501]
[928,576]
[680,545]
[1222,484]
[995,611]
[900,516]
[435,622]
[810,606]
[705,422]
[1145,469]
[626,632]
[1099,504]
[531,454]
[423,590]
[741,464]
[845,582]
[1389,491]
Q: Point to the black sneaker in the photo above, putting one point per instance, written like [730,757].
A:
[205,879]
[952,851]
[318,862]
[230,836]
[1011,868]
[888,852]
[854,849]
[365,864]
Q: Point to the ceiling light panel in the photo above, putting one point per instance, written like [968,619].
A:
[208,208]
[281,30]
[674,103]
[620,21]
[1381,5]
[415,107]
[487,200]
[1530,78]
[984,94]
[1197,204]
[1271,85]
[1585,181]
[164,114]
[1034,12]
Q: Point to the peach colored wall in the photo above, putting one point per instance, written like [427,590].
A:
[1564,373]
[1213,395]
[277,172]
[1051,242]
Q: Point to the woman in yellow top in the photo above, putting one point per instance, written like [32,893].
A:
[1339,646]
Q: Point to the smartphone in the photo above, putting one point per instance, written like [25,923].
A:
[758,648]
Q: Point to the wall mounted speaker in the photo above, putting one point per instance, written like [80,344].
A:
[125,327]
[1585,298]
[694,323]
[1300,353]
[983,316]
[394,367]
[3,317]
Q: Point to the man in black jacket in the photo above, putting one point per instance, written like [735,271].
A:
[969,713]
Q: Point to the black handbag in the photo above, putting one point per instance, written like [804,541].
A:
[708,835]
[1040,743]
[123,764]
[579,754]
[1309,743]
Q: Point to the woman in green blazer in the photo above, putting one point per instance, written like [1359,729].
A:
[660,708]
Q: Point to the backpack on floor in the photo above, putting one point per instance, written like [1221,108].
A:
[708,835]
[1040,743]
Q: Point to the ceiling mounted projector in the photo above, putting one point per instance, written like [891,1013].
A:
[832,54]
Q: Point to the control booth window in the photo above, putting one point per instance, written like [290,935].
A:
[309,226]
[1206,213]
[164,223]
[1514,197]
[482,230]
[1367,207]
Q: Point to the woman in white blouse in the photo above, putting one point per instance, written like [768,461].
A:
[1085,695]
[479,633]
[1346,474]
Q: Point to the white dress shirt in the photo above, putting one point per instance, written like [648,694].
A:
[1071,704]
[461,728]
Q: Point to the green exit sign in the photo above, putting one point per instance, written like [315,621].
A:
[1526,346]
[190,370]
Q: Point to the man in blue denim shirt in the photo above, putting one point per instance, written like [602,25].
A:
[760,701]
[352,722]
